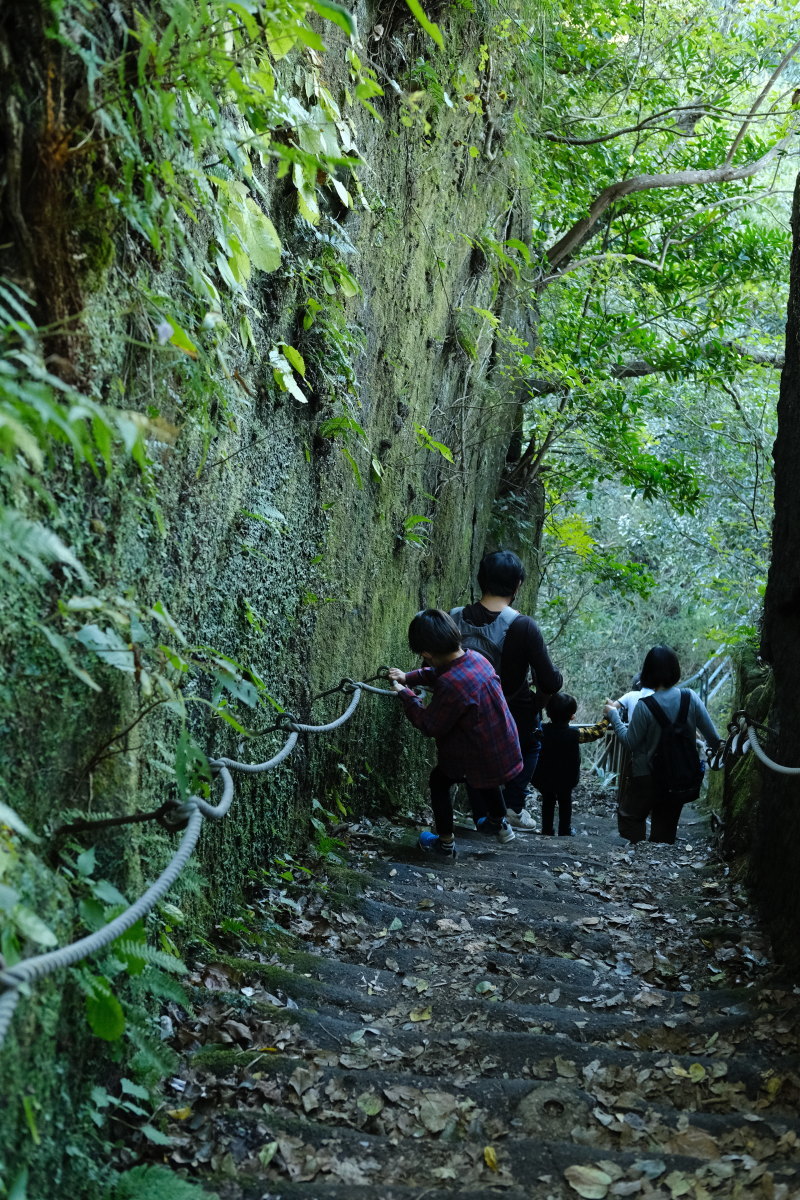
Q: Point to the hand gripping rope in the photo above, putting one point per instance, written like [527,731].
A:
[189,816]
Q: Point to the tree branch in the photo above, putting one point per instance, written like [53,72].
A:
[638,368]
[562,250]
[787,58]
[645,124]
[596,258]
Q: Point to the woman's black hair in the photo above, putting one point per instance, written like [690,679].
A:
[561,708]
[500,573]
[434,632]
[660,668]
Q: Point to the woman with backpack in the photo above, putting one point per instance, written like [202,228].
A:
[661,737]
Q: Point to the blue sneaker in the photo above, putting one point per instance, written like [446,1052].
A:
[499,829]
[430,843]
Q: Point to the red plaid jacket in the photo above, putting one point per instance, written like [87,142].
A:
[467,715]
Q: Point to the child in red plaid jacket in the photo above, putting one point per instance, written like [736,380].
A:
[476,737]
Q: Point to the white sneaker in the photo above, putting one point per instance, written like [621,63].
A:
[521,820]
[502,830]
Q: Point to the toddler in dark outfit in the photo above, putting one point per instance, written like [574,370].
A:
[559,766]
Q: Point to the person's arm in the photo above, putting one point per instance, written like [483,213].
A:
[592,733]
[437,717]
[420,677]
[705,725]
[634,734]
[547,677]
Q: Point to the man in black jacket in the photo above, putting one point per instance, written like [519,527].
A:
[515,646]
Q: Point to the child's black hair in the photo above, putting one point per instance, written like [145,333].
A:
[500,573]
[660,668]
[434,632]
[561,708]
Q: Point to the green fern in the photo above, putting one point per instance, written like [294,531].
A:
[139,955]
[154,1059]
[165,987]
[156,1183]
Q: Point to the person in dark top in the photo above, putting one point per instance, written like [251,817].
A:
[476,738]
[514,644]
[559,766]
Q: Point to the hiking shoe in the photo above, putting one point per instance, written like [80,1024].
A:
[521,820]
[499,829]
[431,844]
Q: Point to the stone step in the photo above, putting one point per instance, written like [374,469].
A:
[537,1020]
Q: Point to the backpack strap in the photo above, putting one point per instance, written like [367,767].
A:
[506,616]
[655,708]
[652,705]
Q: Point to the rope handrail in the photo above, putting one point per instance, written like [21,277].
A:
[745,724]
[742,735]
[190,816]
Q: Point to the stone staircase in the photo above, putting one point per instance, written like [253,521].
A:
[557,1017]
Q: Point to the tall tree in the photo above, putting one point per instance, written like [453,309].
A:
[775,854]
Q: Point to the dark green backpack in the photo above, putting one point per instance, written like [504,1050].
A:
[675,766]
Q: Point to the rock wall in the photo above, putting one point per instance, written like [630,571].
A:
[259,535]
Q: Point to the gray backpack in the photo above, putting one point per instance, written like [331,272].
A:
[486,639]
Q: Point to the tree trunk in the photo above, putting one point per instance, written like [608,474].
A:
[774,861]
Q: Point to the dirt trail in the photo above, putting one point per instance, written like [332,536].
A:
[557,1017]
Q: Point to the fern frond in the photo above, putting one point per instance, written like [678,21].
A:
[157,1183]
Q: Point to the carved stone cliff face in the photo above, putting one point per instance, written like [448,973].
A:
[296,534]
[296,537]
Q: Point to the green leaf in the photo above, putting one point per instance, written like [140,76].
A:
[134,1089]
[13,821]
[155,1136]
[295,358]
[60,645]
[85,862]
[104,1011]
[425,439]
[32,926]
[108,646]
[520,247]
[259,239]
[353,466]
[106,892]
[192,771]
[336,13]
[430,28]
[178,337]
[19,1187]
[28,547]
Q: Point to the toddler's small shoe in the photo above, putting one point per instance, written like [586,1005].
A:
[521,820]
[499,829]
[432,844]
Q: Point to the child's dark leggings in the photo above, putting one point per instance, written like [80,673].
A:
[490,799]
[563,799]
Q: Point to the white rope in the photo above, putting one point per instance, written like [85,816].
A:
[759,753]
[40,965]
[193,811]
[255,768]
[351,708]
